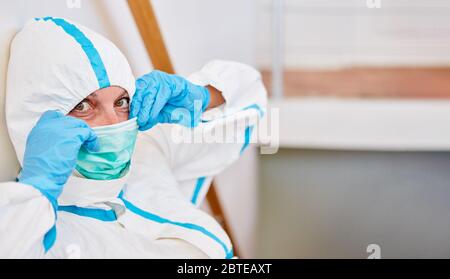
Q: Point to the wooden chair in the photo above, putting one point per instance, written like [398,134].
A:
[148,26]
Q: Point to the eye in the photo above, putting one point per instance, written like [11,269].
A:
[83,106]
[123,103]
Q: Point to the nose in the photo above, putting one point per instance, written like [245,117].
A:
[108,117]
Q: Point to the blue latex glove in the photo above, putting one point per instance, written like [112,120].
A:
[52,150]
[165,98]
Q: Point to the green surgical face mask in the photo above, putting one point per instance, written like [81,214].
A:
[112,161]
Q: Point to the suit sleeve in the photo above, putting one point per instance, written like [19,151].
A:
[197,154]
[27,221]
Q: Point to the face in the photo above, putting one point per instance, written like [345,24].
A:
[106,106]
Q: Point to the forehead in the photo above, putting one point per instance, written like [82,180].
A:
[109,92]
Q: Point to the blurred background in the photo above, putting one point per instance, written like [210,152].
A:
[362,88]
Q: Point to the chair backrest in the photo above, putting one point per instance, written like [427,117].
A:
[145,19]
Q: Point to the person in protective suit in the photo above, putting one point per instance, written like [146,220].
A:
[109,168]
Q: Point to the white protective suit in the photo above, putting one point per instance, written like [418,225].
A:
[152,212]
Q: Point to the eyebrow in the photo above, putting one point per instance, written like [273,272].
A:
[123,95]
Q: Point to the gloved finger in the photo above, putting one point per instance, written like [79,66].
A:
[147,126]
[81,129]
[87,138]
[141,83]
[73,122]
[163,117]
[50,114]
[144,86]
[146,106]
[92,143]
[179,90]
[176,115]
[136,104]
[161,100]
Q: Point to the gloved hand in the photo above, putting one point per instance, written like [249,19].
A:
[165,98]
[52,150]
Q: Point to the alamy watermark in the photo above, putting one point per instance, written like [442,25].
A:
[373,4]
[374,251]
[241,127]
[73,4]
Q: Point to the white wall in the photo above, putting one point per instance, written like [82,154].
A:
[196,31]
[199,30]
[330,33]
[333,204]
